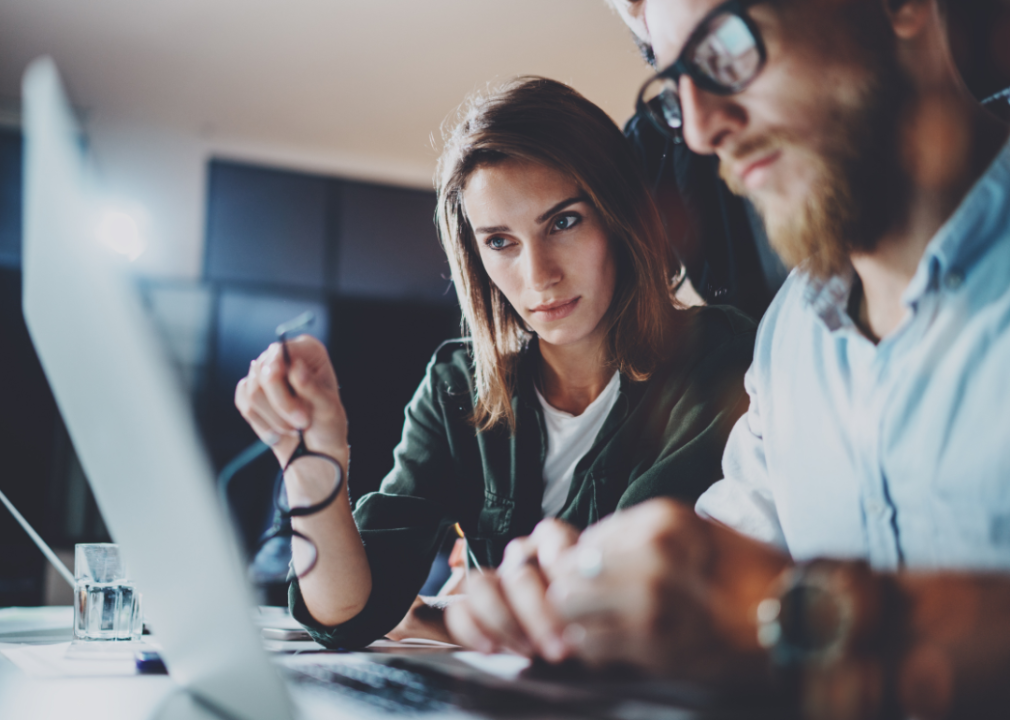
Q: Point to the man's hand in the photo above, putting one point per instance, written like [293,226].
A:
[507,609]
[264,398]
[659,588]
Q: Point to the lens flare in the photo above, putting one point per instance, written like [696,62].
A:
[120,232]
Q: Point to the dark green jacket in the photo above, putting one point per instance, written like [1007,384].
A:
[664,437]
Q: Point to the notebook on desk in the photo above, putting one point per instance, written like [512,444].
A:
[132,427]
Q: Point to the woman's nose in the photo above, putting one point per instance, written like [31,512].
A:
[542,268]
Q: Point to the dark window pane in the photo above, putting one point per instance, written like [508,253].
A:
[266,226]
[10,198]
[389,247]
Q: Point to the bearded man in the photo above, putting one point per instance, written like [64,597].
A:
[857,550]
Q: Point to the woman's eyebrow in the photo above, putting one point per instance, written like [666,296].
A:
[540,219]
[492,229]
[562,205]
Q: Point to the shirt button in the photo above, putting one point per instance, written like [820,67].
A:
[954,280]
[875,507]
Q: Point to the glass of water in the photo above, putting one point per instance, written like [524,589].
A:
[106,605]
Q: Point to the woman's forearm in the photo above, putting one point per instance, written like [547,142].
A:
[337,587]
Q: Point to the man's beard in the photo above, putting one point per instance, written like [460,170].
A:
[857,187]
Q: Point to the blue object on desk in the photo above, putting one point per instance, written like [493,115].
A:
[150,663]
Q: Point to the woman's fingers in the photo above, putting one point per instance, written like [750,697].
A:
[282,396]
[258,401]
[465,630]
[274,379]
[263,431]
[551,539]
[492,612]
[525,590]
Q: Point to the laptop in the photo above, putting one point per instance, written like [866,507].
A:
[133,429]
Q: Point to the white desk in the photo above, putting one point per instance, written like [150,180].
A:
[119,695]
[36,696]
[42,684]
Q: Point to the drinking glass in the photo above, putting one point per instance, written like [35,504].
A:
[106,605]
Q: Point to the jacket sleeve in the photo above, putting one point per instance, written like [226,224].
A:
[696,413]
[401,525]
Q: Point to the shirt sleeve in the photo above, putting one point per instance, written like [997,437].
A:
[743,499]
[401,526]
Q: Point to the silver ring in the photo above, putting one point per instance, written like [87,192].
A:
[589,562]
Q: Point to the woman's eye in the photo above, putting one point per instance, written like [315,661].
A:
[497,243]
[566,222]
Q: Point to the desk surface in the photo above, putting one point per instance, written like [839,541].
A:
[55,688]
[26,696]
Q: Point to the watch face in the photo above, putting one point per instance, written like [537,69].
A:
[813,621]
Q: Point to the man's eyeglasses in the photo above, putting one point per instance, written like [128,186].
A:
[722,56]
[318,479]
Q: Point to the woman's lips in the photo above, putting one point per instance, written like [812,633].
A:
[555,310]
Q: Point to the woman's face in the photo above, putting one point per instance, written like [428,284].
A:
[543,245]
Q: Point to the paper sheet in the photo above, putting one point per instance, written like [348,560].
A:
[410,644]
[502,665]
[58,661]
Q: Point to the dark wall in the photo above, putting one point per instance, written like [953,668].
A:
[980,41]
[10,198]
[40,473]
[365,259]
[27,432]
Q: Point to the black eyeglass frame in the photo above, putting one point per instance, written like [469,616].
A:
[681,66]
[281,526]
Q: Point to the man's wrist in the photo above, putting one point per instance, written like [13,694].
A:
[833,630]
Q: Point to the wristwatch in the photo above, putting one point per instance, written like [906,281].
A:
[821,620]
[809,618]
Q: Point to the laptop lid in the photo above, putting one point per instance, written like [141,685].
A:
[132,426]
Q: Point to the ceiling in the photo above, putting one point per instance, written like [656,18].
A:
[369,79]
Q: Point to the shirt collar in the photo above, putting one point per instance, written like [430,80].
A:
[954,250]
[948,258]
[829,299]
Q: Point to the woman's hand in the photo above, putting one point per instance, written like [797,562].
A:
[278,401]
[508,609]
[264,398]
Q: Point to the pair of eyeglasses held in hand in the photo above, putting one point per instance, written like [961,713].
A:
[722,56]
[308,483]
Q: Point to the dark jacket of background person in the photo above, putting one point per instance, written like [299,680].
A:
[664,437]
[717,236]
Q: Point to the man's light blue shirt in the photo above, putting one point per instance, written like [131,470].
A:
[898,453]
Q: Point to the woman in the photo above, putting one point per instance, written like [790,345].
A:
[582,388]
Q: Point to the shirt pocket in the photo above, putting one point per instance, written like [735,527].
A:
[495,518]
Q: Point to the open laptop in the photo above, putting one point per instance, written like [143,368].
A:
[132,426]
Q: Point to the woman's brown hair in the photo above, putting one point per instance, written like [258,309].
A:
[538,120]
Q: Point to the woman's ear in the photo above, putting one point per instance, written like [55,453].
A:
[909,17]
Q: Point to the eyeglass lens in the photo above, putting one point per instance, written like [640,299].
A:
[308,481]
[725,57]
[728,53]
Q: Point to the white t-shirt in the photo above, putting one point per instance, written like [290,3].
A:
[569,438]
